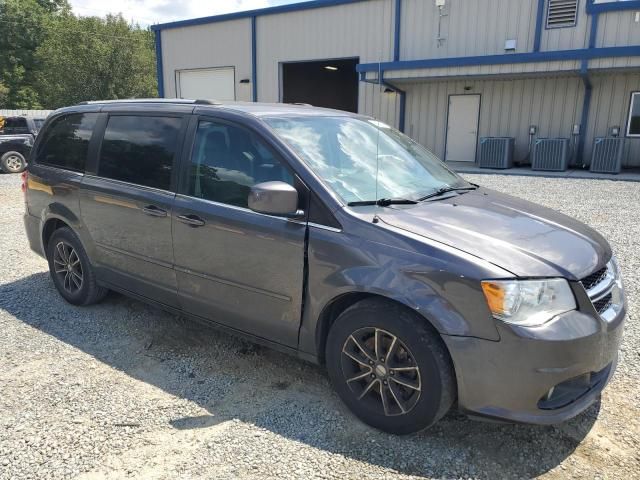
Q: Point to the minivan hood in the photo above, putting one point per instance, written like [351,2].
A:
[519,236]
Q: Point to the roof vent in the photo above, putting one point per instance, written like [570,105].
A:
[562,13]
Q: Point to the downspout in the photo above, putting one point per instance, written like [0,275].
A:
[396,57]
[396,33]
[159,70]
[539,21]
[588,90]
[401,93]
[403,104]
[254,61]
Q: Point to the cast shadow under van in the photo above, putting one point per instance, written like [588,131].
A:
[234,380]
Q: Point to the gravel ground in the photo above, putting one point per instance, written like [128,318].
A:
[122,390]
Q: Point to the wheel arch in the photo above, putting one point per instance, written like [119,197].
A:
[339,304]
[56,216]
[51,225]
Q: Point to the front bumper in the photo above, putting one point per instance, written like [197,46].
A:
[576,354]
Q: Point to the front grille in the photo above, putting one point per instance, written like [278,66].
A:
[604,303]
[594,279]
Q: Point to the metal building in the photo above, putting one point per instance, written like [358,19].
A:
[446,72]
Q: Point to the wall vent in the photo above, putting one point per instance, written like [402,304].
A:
[607,155]
[562,13]
[550,154]
[496,152]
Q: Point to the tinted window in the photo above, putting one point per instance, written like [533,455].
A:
[140,150]
[38,122]
[633,129]
[227,161]
[66,141]
[15,122]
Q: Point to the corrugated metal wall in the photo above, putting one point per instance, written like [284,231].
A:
[471,27]
[618,29]
[510,102]
[508,108]
[362,30]
[568,38]
[610,107]
[222,44]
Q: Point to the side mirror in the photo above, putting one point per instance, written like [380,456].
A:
[274,198]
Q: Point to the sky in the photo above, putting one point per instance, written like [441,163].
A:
[148,12]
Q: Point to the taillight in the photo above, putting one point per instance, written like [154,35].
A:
[25,179]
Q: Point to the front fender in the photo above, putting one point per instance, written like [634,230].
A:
[439,283]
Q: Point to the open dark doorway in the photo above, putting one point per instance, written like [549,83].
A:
[322,83]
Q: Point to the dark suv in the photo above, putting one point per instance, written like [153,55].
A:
[16,139]
[336,238]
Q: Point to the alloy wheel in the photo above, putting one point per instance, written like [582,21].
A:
[381,371]
[13,163]
[68,267]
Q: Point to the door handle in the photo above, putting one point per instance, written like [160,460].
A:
[154,211]
[191,220]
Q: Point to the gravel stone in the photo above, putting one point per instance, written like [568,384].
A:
[123,390]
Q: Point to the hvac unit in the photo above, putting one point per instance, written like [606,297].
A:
[496,152]
[550,154]
[607,155]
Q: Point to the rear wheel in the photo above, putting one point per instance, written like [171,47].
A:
[13,162]
[70,269]
[391,369]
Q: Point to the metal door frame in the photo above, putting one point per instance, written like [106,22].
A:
[446,126]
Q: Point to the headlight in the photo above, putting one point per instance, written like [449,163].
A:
[528,302]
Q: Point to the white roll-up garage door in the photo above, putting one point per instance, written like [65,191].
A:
[207,84]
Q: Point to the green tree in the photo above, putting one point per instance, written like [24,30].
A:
[91,58]
[21,32]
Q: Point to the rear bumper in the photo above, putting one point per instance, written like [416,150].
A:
[32,226]
[575,354]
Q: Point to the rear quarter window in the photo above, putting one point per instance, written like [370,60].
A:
[66,141]
[138,149]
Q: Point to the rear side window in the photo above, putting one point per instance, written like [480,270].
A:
[66,141]
[16,125]
[140,150]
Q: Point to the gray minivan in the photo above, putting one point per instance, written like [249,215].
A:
[338,239]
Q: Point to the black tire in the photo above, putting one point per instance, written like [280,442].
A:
[13,162]
[70,269]
[418,352]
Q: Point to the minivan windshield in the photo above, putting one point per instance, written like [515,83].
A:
[348,154]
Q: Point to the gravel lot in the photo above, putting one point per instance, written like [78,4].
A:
[124,390]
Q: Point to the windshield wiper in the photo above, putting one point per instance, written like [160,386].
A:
[443,190]
[383,202]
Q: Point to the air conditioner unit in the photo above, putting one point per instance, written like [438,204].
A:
[551,154]
[496,152]
[607,155]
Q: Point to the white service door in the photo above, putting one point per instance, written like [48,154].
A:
[462,128]
[207,84]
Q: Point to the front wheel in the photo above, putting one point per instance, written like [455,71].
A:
[389,367]
[13,162]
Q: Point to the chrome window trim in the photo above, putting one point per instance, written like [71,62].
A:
[325,227]
[240,209]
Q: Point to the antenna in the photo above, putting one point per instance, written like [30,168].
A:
[380,95]
[379,116]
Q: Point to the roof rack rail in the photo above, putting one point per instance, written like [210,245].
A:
[302,104]
[181,101]
[203,101]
